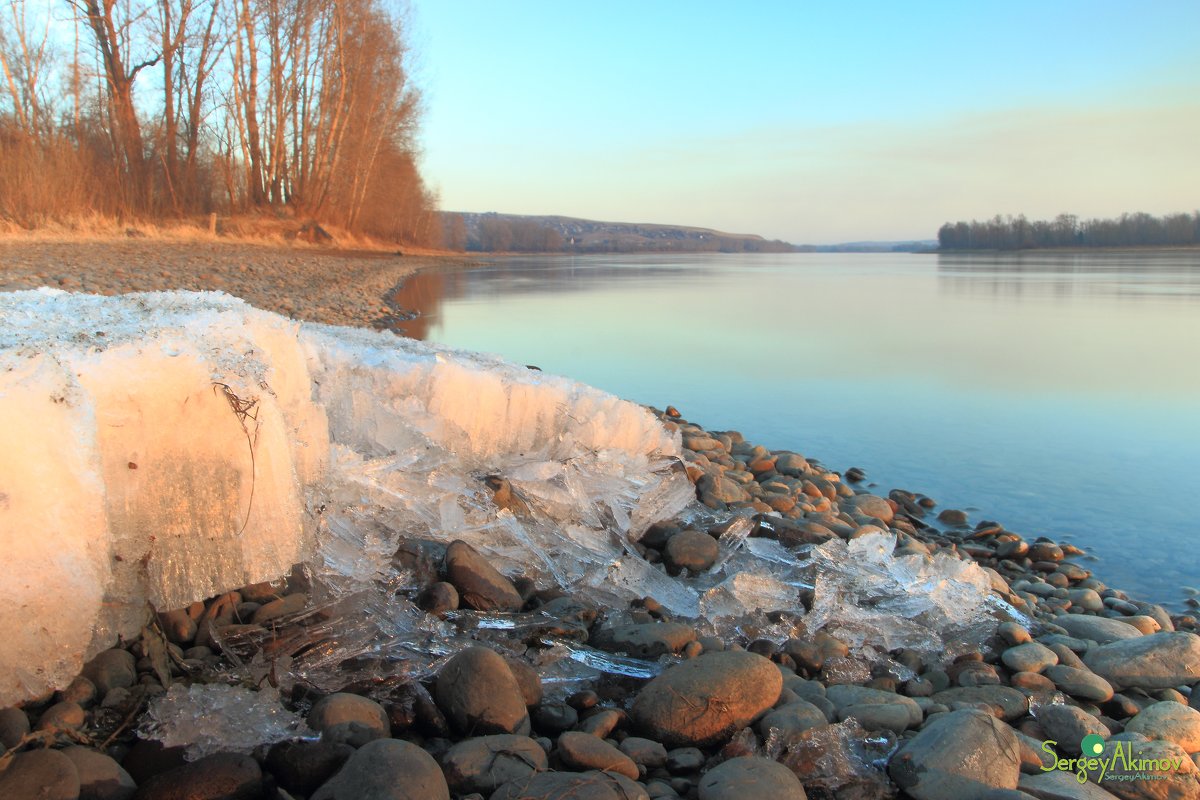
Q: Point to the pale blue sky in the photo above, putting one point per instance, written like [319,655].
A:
[810,122]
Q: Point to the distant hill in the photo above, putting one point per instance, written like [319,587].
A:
[492,232]
[516,233]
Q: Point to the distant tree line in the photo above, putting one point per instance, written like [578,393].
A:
[499,233]
[1066,230]
[160,108]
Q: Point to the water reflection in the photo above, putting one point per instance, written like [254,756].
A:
[1168,275]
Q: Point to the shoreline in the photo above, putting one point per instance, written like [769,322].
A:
[792,698]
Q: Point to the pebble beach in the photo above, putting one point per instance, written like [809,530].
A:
[1084,693]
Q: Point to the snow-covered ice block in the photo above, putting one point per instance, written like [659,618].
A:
[158,449]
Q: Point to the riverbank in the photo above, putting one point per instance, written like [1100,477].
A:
[333,286]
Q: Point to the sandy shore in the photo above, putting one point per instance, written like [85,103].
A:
[339,287]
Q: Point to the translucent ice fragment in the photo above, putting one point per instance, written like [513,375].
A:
[747,592]
[212,718]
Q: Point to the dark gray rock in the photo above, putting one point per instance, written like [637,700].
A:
[700,701]
[221,776]
[1081,683]
[644,752]
[484,763]
[1158,661]
[1099,629]
[350,719]
[1009,702]
[1170,784]
[479,584]
[571,786]
[958,755]
[691,550]
[14,724]
[791,719]
[1171,721]
[100,777]
[477,692]
[111,669]
[1029,657]
[301,767]
[1060,785]
[647,640]
[751,777]
[40,774]
[62,716]
[1067,725]
[387,769]
[583,751]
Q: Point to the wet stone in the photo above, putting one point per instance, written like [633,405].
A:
[13,725]
[1081,683]
[42,774]
[479,695]
[1067,725]
[589,785]
[480,585]
[1029,657]
[740,778]
[691,550]
[1171,721]
[484,763]
[300,767]
[582,751]
[349,718]
[387,769]
[702,700]
[111,669]
[649,640]
[222,776]
[100,777]
[1158,661]
[958,755]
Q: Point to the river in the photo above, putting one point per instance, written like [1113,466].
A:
[1056,394]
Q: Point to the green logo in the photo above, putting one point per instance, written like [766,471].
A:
[1120,765]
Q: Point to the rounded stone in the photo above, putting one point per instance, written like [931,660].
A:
[691,550]
[958,755]
[477,692]
[589,785]
[42,774]
[751,777]
[1101,630]
[644,752]
[583,751]
[704,699]
[792,719]
[480,585]
[100,777]
[387,769]
[1067,725]
[349,718]
[646,640]
[484,763]
[1029,657]
[62,716]
[1171,721]
[1081,683]
[14,724]
[221,776]
[111,669]
[301,767]
[1158,661]
[871,506]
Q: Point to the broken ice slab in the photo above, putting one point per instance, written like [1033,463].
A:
[747,592]
[607,662]
[214,718]
[731,539]
[841,760]
[632,577]
[873,601]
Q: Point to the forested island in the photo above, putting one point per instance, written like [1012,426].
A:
[1067,230]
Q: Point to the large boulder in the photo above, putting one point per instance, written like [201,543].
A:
[704,700]
[387,769]
[1158,661]
[958,755]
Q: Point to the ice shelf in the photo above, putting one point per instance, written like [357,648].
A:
[162,448]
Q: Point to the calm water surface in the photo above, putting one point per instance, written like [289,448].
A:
[1057,394]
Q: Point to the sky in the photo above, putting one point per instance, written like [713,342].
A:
[810,122]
